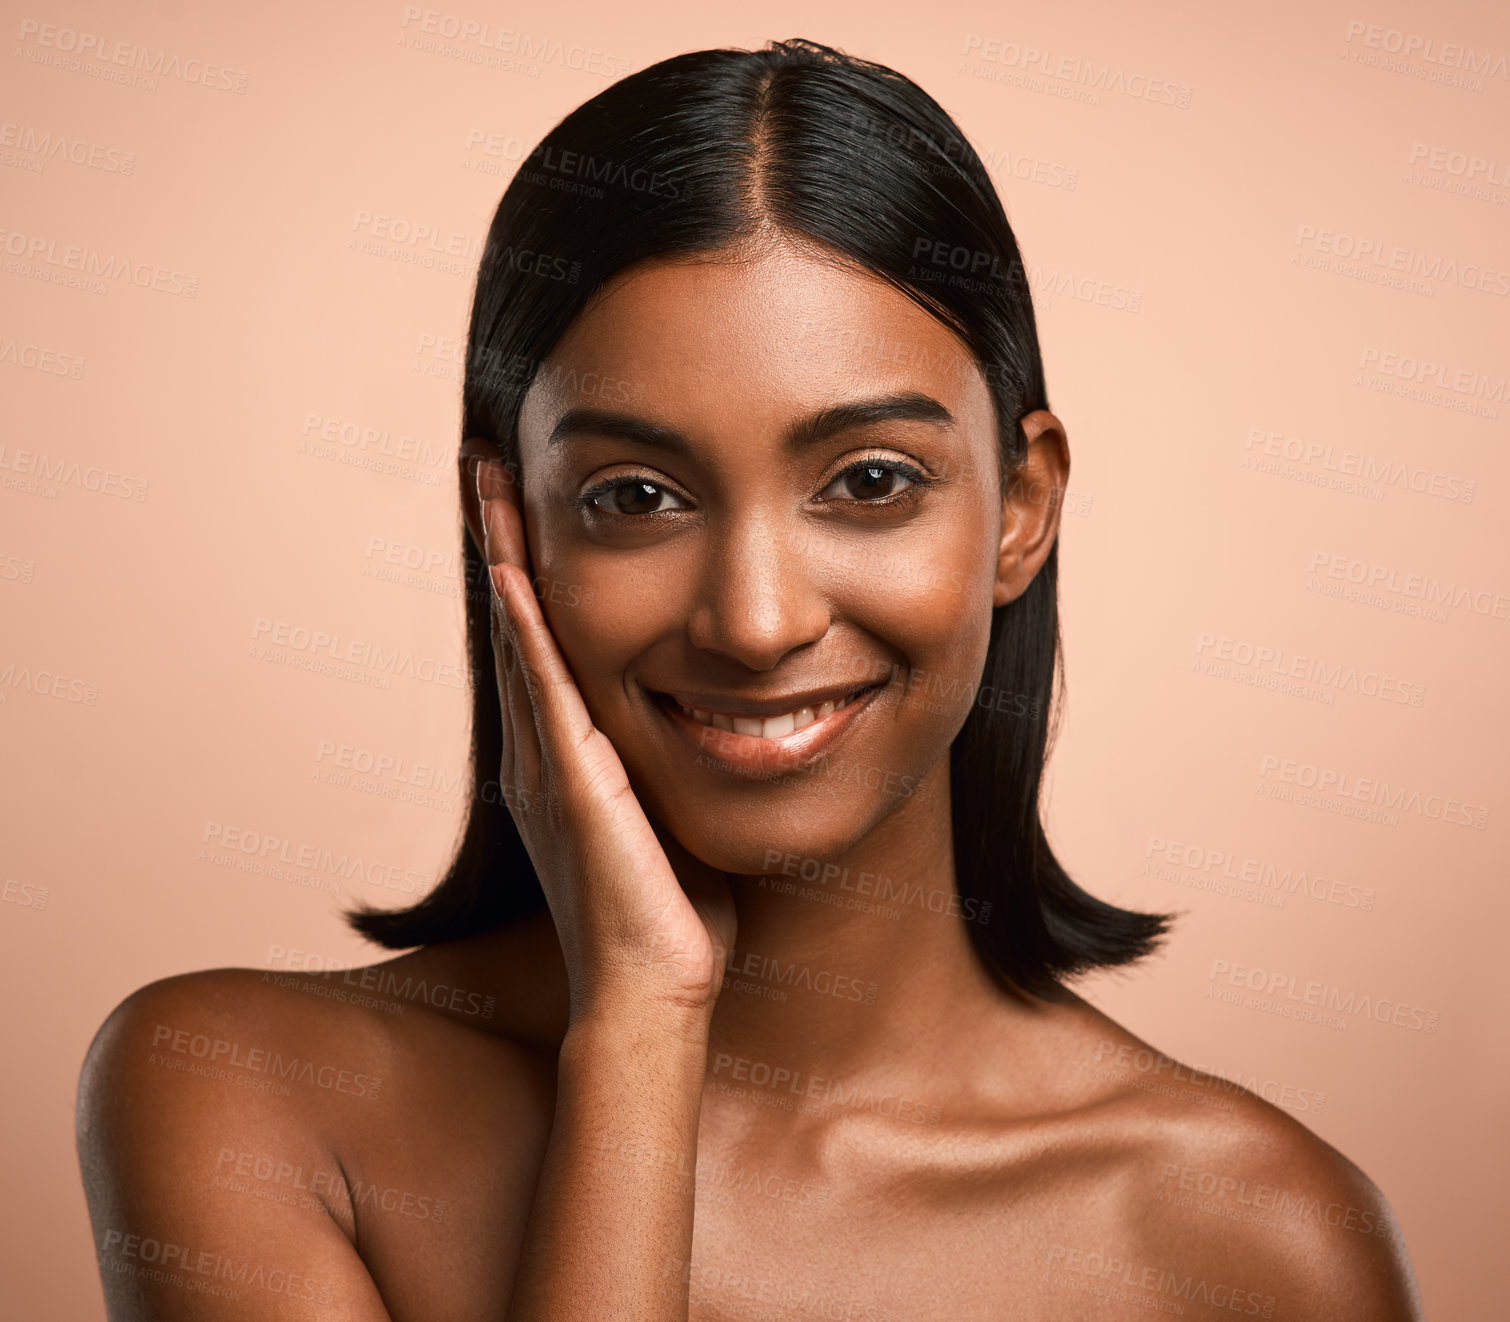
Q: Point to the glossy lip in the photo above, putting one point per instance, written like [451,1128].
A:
[749,752]
[721,705]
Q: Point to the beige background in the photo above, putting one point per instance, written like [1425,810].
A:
[139,716]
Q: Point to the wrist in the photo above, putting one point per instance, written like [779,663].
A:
[640,1023]
[624,994]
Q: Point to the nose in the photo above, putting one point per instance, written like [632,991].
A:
[759,592]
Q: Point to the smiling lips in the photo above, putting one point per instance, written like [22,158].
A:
[779,741]
[769,727]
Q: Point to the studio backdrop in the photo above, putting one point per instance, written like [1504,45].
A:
[1269,252]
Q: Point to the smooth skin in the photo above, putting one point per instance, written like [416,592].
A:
[626,1131]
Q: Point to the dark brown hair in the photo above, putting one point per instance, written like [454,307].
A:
[694,155]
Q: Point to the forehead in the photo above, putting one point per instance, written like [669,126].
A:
[780,330]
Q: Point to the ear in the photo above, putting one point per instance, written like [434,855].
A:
[474,450]
[1031,506]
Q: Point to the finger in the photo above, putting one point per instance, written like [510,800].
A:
[521,735]
[520,745]
[502,515]
[504,545]
[506,549]
[562,720]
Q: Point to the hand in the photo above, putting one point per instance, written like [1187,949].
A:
[632,927]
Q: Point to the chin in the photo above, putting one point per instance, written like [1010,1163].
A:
[753,842]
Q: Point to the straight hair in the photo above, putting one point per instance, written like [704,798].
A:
[697,156]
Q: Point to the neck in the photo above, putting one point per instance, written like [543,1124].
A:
[844,968]
[855,970]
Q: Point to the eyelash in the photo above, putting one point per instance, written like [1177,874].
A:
[919,482]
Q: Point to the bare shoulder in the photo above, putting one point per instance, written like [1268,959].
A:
[1234,1202]
[231,1122]
[235,1026]
[300,1050]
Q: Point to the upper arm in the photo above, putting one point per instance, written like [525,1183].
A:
[160,1132]
[1350,1259]
[1264,1206]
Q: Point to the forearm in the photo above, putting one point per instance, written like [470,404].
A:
[603,1224]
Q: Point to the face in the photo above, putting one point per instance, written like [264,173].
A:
[755,486]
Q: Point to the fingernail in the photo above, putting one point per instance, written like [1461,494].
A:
[488,490]
[489,479]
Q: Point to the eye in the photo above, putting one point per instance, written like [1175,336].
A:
[869,483]
[626,497]
[878,482]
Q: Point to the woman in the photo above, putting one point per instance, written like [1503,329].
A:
[744,996]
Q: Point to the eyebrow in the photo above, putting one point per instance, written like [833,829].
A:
[909,406]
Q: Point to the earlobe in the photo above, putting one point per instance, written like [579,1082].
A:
[1031,506]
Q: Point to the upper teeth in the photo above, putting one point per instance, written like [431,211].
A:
[768,727]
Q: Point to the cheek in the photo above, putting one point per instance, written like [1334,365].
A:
[594,627]
[933,613]
[603,615]
[942,634]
